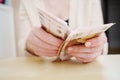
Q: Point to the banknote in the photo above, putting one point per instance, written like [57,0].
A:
[79,37]
[53,24]
[60,29]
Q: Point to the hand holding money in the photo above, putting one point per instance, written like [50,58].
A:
[79,39]
[88,52]
[42,43]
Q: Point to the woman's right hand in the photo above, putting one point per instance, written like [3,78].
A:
[42,43]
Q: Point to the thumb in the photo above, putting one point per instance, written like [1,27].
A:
[96,41]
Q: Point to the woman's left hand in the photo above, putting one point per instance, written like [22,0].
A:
[88,52]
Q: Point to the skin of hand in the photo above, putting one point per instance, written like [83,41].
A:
[89,51]
[42,43]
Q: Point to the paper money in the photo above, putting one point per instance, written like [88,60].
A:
[80,36]
[60,29]
[53,24]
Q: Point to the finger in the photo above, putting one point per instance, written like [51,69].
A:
[41,44]
[81,60]
[97,41]
[46,37]
[86,55]
[83,49]
[85,60]
[29,46]
[42,52]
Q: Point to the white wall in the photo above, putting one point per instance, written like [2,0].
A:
[7,33]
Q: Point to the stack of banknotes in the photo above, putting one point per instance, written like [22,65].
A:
[60,29]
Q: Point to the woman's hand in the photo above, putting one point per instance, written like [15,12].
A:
[41,43]
[88,52]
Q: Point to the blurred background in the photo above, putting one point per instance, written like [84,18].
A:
[111,12]
[9,16]
[7,30]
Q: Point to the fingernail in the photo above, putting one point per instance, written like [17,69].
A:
[88,44]
[69,49]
